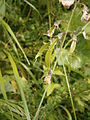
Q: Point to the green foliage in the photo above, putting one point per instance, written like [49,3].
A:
[11,110]
[49,53]
[2,9]
[13,36]
[18,80]
[51,87]
[40,49]
[87,30]
[2,85]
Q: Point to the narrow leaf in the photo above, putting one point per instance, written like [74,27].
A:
[2,9]
[18,80]
[51,87]
[28,70]
[49,53]
[68,113]
[2,85]
[72,47]
[33,8]
[86,32]
[42,49]
[57,71]
[7,27]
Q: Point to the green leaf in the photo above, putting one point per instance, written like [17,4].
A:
[18,80]
[76,20]
[57,71]
[33,8]
[2,85]
[28,70]
[51,116]
[83,48]
[2,9]
[8,87]
[67,111]
[2,55]
[12,108]
[80,104]
[53,56]
[42,49]
[62,56]
[75,62]
[86,28]
[51,87]
[7,27]
[89,81]
[87,70]
[72,47]
[49,53]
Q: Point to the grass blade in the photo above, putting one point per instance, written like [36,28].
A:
[49,16]
[7,27]
[66,110]
[41,50]
[33,7]
[49,53]
[2,85]
[18,80]
[28,70]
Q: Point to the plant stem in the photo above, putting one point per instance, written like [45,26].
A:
[38,110]
[49,17]
[77,34]
[67,43]
[69,24]
[67,81]
[18,81]
[85,26]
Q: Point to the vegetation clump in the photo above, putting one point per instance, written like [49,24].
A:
[44,60]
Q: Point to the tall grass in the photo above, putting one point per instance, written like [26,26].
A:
[18,80]
[2,85]
[33,8]
[7,27]
[49,16]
